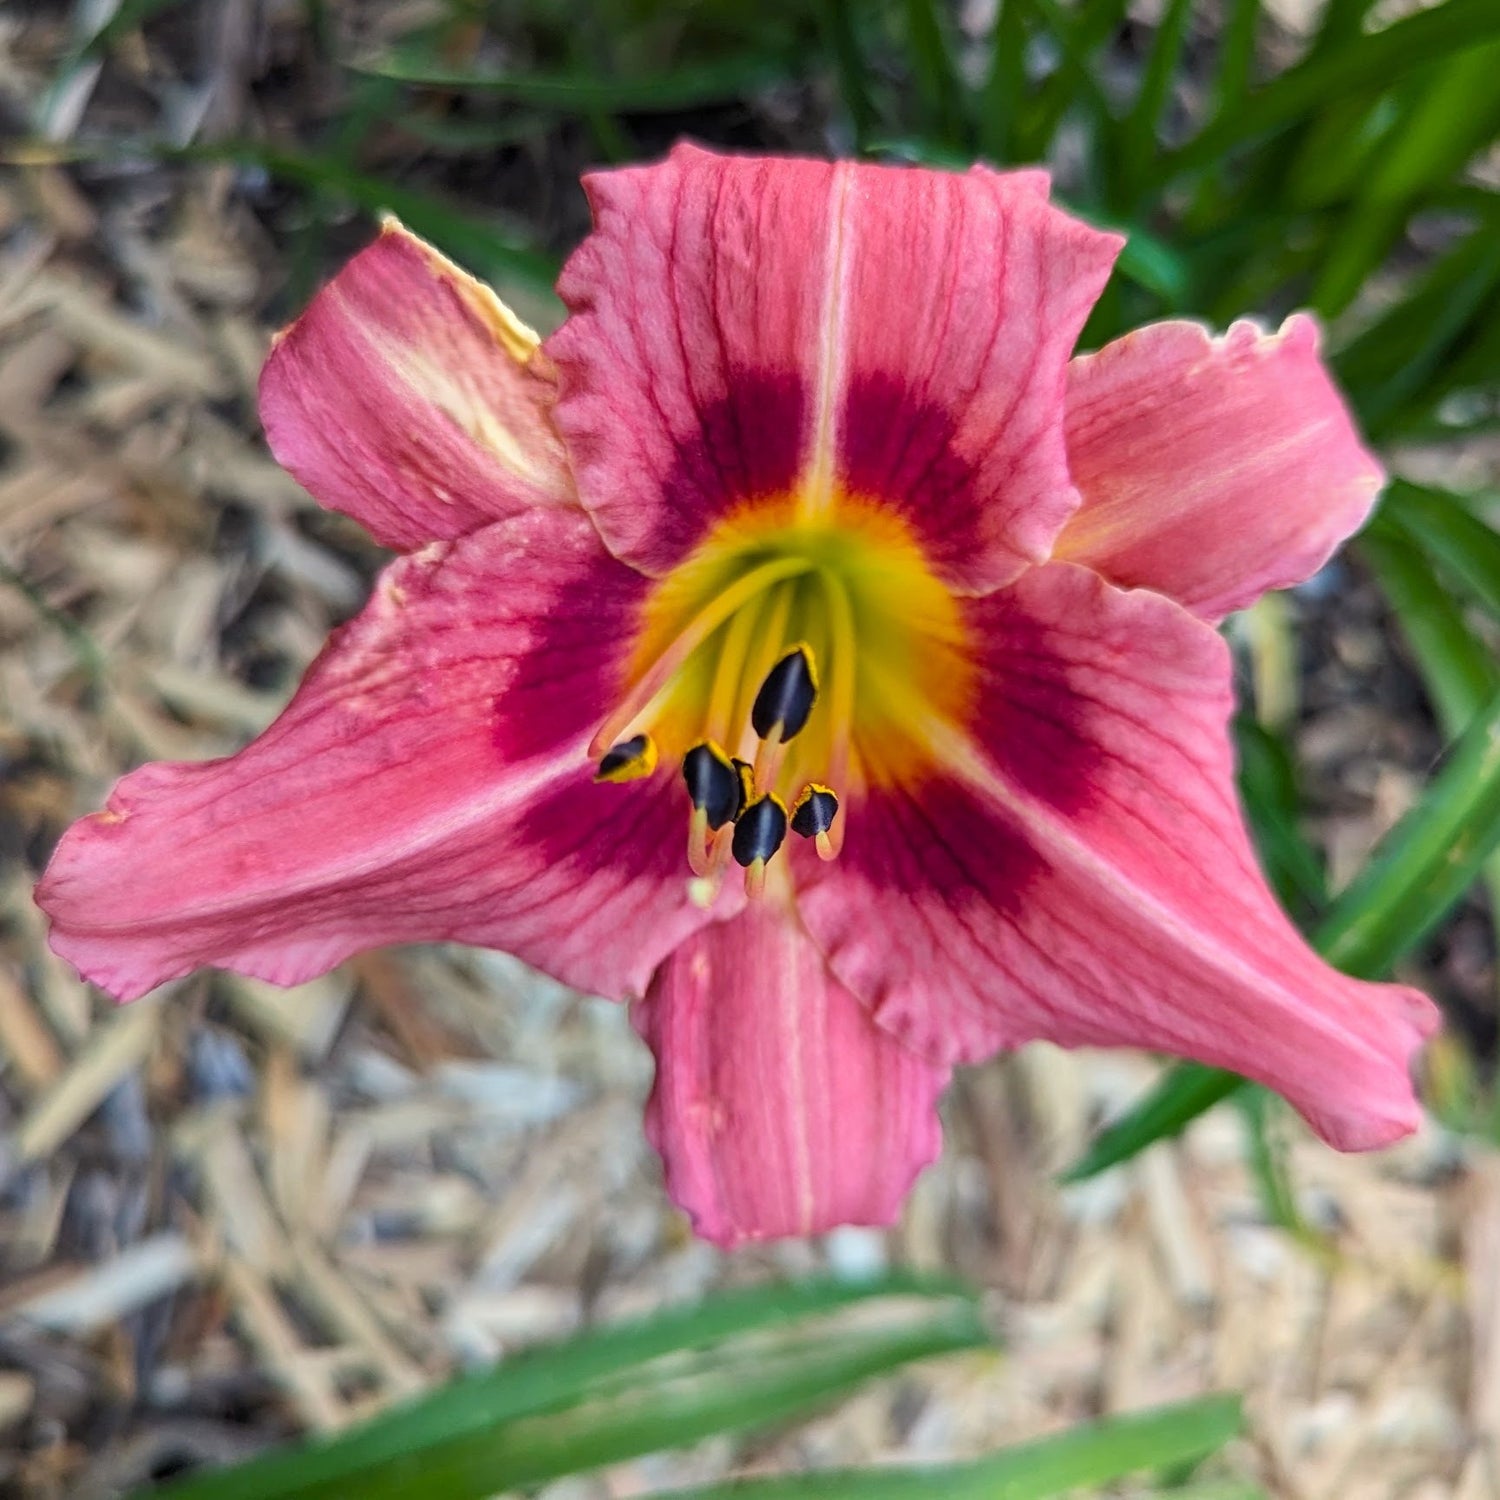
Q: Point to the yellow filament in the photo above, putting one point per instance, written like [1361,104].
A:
[699,842]
[770,756]
[768,651]
[841,683]
[656,681]
[729,674]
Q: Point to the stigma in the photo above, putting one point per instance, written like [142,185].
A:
[781,669]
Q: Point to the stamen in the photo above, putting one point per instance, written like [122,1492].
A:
[760,831]
[813,811]
[629,760]
[700,842]
[770,633]
[812,816]
[729,673]
[770,754]
[786,697]
[714,784]
[658,677]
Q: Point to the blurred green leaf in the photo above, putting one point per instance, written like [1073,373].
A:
[1426,862]
[1341,23]
[1452,112]
[742,1360]
[1077,33]
[1140,130]
[1467,548]
[87,47]
[126,17]
[1187,1091]
[1004,91]
[1458,670]
[1236,56]
[939,87]
[1460,673]
[1375,59]
[578,92]
[1089,1456]
[837,21]
[1268,787]
[1396,357]
[1267,1160]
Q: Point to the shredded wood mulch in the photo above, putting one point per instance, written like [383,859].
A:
[230,1214]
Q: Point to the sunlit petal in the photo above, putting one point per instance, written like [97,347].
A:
[1212,469]
[409,397]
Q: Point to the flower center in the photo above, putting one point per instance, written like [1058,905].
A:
[786,666]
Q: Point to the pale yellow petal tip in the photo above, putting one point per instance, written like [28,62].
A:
[518,339]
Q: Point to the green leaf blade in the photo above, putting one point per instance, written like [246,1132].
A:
[743,1359]
[1089,1456]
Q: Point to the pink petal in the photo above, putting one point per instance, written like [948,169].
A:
[428,781]
[748,328]
[1080,872]
[779,1109]
[410,397]
[1212,469]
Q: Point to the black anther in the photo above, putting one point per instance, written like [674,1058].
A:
[760,831]
[787,695]
[814,810]
[628,760]
[712,782]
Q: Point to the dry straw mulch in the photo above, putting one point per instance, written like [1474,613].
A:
[229,1213]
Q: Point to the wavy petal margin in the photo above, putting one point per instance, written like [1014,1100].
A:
[1079,872]
[409,397]
[751,329]
[779,1108]
[428,781]
[1212,469]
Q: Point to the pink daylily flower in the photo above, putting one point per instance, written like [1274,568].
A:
[805,540]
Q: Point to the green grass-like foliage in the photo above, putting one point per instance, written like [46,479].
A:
[742,1360]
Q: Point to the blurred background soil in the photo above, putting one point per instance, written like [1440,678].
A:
[229,1214]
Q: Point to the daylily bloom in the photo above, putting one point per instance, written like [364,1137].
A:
[799,643]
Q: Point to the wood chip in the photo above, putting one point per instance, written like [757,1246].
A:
[112,1050]
[213,1142]
[349,1317]
[306,1016]
[275,1339]
[17,1394]
[99,1296]
[25,1040]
